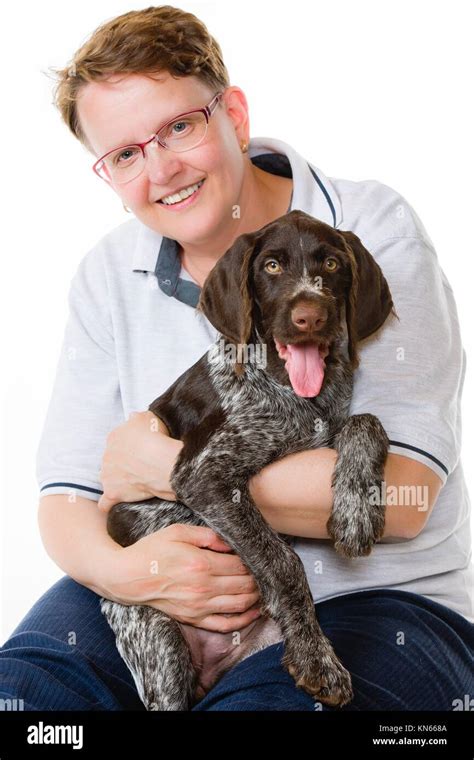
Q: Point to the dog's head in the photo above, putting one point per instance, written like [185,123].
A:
[296,281]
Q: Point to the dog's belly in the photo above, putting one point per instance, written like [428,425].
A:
[214,653]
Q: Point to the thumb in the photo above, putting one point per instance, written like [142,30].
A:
[105,504]
[203,537]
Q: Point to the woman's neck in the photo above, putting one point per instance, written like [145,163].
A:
[266,198]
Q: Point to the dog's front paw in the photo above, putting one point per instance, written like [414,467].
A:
[322,675]
[355,525]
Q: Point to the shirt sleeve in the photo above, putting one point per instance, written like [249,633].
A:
[412,370]
[86,402]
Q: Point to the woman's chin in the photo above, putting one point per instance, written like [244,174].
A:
[198,228]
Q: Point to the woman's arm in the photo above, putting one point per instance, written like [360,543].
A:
[186,571]
[75,537]
[138,461]
[295,496]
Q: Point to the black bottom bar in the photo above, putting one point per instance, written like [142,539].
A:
[375,734]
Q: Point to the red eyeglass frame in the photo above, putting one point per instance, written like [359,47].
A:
[207,110]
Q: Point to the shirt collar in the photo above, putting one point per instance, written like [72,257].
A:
[312,192]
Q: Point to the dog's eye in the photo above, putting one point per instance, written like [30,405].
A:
[273,267]
[331,265]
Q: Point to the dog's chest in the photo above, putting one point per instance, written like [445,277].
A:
[269,419]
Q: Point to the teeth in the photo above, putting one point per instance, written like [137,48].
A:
[170,199]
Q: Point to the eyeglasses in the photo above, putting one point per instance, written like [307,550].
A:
[185,132]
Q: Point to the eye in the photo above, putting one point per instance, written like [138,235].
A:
[178,127]
[272,267]
[330,265]
[181,129]
[125,156]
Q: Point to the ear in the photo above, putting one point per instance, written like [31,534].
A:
[225,297]
[369,301]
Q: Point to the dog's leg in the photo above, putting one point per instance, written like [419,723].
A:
[278,571]
[149,641]
[156,653]
[358,516]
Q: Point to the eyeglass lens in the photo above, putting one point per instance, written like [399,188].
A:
[183,134]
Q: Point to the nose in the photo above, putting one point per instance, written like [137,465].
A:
[161,164]
[309,316]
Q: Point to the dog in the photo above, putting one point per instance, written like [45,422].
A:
[308,293]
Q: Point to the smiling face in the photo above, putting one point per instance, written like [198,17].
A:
[129,109]
[301,281]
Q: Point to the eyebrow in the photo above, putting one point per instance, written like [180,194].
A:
[328,249]
[135,142]
[267,252]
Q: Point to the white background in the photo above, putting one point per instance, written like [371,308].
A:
[364,90]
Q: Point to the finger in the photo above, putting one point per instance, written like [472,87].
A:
[157,424]
[225,564]
[219,545]
[234,603]
[105,504]
[198,536]
[228,624]
[228,585]
[218,623]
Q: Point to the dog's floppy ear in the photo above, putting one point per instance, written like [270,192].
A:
[369,300]
[225,297]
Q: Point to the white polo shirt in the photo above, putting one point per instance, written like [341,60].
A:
[133,329]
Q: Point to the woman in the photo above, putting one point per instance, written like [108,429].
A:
[400,620]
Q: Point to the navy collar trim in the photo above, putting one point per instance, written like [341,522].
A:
[325,193]
[167,270]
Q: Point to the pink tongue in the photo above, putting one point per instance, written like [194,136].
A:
[305,367]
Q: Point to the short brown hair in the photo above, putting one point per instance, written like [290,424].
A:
[156,39]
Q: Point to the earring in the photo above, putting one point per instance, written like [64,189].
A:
[126,209]
[244,146]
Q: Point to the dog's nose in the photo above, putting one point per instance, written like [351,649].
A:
[308,317]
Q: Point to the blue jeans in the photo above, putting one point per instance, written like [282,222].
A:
[404,651]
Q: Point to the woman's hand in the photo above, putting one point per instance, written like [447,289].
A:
[138,461]
[188,572]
